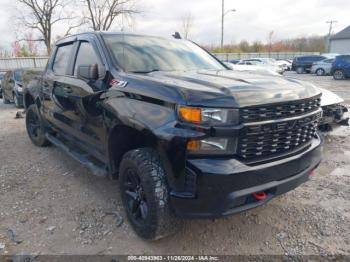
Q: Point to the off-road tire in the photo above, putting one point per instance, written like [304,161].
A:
[159,222]
[39,139]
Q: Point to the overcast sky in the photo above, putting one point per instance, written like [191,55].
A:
[253,20]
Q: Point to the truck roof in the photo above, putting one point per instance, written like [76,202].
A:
[72,38]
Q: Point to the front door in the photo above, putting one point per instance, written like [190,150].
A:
[89,124]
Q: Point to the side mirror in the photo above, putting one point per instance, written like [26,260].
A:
[88,72]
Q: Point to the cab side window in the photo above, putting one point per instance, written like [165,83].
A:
[86,56]
[61,61]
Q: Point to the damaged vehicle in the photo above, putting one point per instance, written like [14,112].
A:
[185,136]
[334,111]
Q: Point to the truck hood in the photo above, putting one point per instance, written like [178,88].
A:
[227,88]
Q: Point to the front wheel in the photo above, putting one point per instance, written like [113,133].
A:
[320,72]
[35,127]
[338,75]
[145,194]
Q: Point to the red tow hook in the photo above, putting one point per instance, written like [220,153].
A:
[312,173]
[259,195]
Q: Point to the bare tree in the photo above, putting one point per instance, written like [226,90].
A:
[101,14]
[42,15]
[270,40]
[187,25]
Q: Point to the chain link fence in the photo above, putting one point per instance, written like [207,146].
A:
[22,62]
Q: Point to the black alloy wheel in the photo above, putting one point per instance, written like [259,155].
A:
[136,198]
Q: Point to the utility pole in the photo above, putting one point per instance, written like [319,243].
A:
[222,23]
[331,22]
[223,13]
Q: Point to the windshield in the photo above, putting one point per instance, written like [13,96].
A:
[1,76]
[144,54]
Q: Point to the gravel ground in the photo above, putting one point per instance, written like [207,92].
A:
[52,205]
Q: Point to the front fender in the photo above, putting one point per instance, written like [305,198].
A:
[159,122]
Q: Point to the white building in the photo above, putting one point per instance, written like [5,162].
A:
[340,42]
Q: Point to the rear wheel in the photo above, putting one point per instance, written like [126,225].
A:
[145,194]
[35,127]
[300,70]
[320,72]
[338,75]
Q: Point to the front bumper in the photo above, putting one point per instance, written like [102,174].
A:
[226,186]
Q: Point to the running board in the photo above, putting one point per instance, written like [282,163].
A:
[81,158]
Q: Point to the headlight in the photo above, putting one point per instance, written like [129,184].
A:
[212,146]
[210,116]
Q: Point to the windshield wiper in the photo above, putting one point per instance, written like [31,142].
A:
[145,72]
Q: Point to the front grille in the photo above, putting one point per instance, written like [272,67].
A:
[274,139]
[291,109]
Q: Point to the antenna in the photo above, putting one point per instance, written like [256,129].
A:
[177,35]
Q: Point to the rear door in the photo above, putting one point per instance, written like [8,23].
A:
[55,88]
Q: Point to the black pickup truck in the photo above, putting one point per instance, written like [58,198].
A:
[185,135]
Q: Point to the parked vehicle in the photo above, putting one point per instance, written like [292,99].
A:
[12,88]
[285,64]
[16,81]
[341,67]
[234,61]
[252,68]
[263,62]
[303,64]
[322,67]
[1,78]
[184,135]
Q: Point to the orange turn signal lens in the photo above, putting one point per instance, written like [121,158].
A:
[190,114]
[193,145]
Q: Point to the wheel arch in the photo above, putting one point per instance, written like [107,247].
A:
[122,139]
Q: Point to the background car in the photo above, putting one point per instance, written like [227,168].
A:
[302,64]
[341,67]
[234,61]
[263,62]
[322,67]
[251,68]
[286,64]
[13,88]
[1,77]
